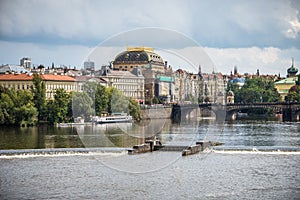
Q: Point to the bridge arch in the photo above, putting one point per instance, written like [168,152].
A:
[289,110]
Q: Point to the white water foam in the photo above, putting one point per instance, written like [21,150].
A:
[278,152]
[15,154]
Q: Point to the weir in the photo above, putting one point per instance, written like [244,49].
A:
[59,151]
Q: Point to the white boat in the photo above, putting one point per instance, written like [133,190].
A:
[114,119]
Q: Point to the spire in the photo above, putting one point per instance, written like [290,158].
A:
[199,70]
[235,70]
[292,71]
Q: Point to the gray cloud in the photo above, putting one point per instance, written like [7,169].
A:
[249,34]
[211,23]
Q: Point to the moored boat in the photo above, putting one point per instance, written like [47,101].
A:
[114,119]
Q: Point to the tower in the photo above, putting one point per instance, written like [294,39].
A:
[292,71]
[235,70]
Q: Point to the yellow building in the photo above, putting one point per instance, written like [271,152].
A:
[284,85]
[52,82]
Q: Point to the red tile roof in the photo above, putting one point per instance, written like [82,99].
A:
[27,77]
[15,77]
[52,77]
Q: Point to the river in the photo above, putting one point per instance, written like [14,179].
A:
[260,159]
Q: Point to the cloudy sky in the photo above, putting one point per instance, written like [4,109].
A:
[248,34]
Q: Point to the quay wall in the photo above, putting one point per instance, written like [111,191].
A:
[156,113]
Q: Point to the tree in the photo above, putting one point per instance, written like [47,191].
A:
[82,105]
[39,96]
[6,108]
[155,100]
[58,109]
[24,109]
[294,93]
[117,102]
[134,109]
[90,88]
[256,90]
[101,99]
[61,101]
[17,108]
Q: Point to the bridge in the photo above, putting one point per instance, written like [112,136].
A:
[289,110]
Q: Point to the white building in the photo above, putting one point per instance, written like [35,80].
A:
[26,62]
[130,83]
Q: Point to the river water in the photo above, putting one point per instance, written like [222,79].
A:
[260,159]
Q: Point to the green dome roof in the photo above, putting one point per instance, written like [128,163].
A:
[292,70]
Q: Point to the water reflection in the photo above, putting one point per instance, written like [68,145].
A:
[239,134]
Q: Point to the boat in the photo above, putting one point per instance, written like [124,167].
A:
[114,119]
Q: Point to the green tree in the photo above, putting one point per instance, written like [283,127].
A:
[257,90]
[16,108]
[24,109]
[61,101]
[51,112]
[117,102]
[58,108]
[39,96]
[82,105]
[134,109]
[155,100]
[6,108]
[294,93]
[101,99]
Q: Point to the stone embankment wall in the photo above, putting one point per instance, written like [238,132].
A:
[156,113]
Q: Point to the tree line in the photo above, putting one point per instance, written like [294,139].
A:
[261,89]
[21,107]
[254,90]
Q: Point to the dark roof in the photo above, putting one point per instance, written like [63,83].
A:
[132,56]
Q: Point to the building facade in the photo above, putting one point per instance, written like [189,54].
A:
[130,83]
[52,82]
[214,87]
[157,76]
